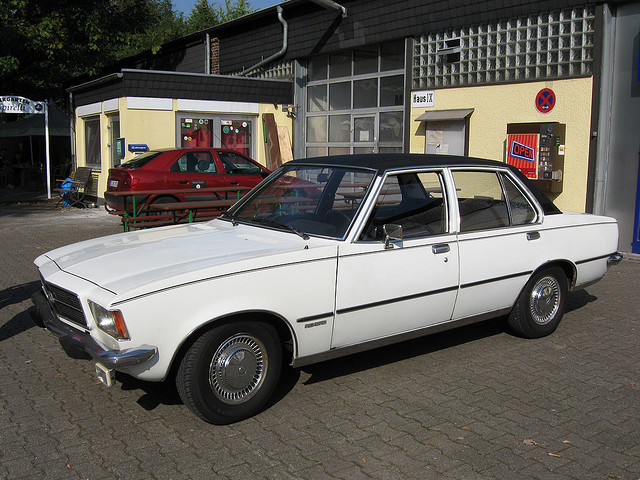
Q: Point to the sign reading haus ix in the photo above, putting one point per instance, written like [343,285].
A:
[14,104]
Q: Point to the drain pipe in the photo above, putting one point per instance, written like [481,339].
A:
[285,38]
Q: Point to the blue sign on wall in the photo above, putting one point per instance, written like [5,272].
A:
[138,147]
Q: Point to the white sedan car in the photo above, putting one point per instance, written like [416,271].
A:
[326,257]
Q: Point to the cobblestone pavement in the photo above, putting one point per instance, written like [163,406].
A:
[472,403]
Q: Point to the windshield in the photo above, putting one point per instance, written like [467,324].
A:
[307,200]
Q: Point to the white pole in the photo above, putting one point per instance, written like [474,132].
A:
[46,142]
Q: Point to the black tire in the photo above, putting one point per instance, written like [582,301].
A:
[230,372]
[540,307]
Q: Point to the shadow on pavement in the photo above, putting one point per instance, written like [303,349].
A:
[165,393]
[424,345]
[578,299]
[11,296]
[404,350]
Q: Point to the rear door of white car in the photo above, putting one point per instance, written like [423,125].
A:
[383,290]
[500,240]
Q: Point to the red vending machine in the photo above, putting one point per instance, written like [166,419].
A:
[537,150]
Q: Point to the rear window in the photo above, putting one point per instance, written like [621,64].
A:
[140,160]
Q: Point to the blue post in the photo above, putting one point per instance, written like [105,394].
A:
[635,248]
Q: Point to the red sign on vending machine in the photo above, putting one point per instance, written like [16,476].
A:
[522,153]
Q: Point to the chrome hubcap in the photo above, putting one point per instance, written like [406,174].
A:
[544,301]
[237,369]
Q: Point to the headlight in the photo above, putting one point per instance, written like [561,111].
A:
[109,321]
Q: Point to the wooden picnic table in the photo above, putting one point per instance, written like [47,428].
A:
[191,208]
[140,199]
[147,194]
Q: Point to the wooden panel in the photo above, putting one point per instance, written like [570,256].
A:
[274,158]
[284,139]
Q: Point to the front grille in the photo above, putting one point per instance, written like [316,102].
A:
[66,304]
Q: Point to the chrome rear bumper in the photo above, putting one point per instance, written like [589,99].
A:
[614,259]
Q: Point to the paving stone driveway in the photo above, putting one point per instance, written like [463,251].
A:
[475,402]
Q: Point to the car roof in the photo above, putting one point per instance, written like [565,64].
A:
[383,162]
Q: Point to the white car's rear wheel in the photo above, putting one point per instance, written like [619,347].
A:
[541,304]
[230,372]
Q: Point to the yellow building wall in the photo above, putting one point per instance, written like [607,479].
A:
[151,127]
[157,129]
[497,105]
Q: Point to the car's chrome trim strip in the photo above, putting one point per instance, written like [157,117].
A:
[500,232]
[497,279]
[381,342]
[601,257]
[315,317]
[395,300]
[431,292]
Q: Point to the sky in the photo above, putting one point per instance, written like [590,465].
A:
[185,6]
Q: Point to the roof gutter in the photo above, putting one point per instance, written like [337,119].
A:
[96,81]
[281,52]
[331,5]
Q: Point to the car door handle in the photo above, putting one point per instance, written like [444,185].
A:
[533,235]
[234,183]
[183,182]
[441,248]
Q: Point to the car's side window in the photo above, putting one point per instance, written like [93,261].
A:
[481,200]
[484,203]
[236,164]
[521,210]
[195,162]
[415,201]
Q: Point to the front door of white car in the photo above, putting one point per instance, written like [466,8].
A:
[387,288]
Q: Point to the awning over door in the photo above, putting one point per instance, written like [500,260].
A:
[439,115]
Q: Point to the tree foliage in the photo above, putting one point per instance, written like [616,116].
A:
[47,44]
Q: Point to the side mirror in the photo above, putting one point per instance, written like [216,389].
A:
[392,232]
[322,178]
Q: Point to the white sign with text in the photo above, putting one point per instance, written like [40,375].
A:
[423,98]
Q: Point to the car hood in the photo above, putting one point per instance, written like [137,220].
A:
[135,263]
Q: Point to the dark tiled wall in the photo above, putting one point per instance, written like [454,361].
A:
[314,30]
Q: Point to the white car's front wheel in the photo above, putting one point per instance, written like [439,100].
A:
[230,372]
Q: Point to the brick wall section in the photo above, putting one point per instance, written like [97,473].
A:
[215,56]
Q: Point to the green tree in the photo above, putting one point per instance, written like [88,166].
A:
[48,44]
[234,9]
[203,15]
[206,15]
[164,24]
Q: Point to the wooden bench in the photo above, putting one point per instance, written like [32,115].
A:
[140,213]
[178,212]
[72,192]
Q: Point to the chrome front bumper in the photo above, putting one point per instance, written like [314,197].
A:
[76,343]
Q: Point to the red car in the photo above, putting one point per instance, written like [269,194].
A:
[181,169]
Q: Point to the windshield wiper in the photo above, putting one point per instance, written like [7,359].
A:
[230,216]
[272,223]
